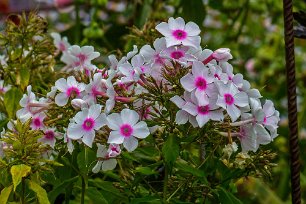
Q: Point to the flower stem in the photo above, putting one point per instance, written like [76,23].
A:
[165,188]
[83,190]
[22,199]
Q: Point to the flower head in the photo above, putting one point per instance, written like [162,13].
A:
[125,128]
[177,32]
[85,123]
[69,88]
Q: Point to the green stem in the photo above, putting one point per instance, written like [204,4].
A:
[22,199]
[83,190]
[165,189]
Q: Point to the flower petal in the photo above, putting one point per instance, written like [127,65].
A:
[202,120]
[233,112]
[192,29]
[88,138]
[181,117]
[141,130]
[109,164]
[129,116]
[61,99]
[115,137]
[241,99]
[187,82]
[130,144]
[75,131]
[114,121]
[94,111]
[163,28]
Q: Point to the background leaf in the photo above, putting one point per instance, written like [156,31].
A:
[18,172]
[40,192]
[5,194]
[11,101]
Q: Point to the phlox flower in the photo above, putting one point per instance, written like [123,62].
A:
[85,123]
[80,58]
[26,111]
[97,87]
[203,113]
[50,136]
[69,88]
[271,118]
[60,43]
[68,141]
[4,89]
[106,157]
[178,54]
[229,98]
[201,81]
[37,121]
[251,136]
[114,63]
[183,116]
[133,70]
[177,32]
[126,128]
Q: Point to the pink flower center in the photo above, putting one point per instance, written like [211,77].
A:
[200,83]
[126,130]
[217,76]
[88,124]
[158,59]
[179,34]
[177,54]
[62,46]
[203,110]
[72,92]
[229,99]
[37,122]
[143,69]
[82,57]
[265,119]
[49,135]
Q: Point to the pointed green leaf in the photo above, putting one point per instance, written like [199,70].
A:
[171,149]
[61,188]
[18,172]
[40,192]
[85,160]
[226,197]
[11,101]
[95,195]
[24,77]
[5,193]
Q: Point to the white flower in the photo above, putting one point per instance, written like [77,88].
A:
[85,123]
[69,88]
[107,161]
[27,111]
[125,128]
[49,137]
[229,98]
[61,44]
[177,33]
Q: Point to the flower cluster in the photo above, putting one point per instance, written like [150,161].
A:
[111,107]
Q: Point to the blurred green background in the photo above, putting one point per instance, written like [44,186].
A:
[252,29]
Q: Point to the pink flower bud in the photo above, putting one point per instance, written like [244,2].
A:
[78,103]
[222,54]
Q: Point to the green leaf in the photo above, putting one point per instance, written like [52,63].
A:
[226,197]
[111,194]
[24,77]
[40,192]
[95,195]
[145,170]
[147,199]
[5,194]
[18,172]
[171,149]
[60,188]
[11,101]
[193,11]
[184,166]
[85,160]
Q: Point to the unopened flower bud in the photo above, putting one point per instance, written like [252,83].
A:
[222,54]
[78,103]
